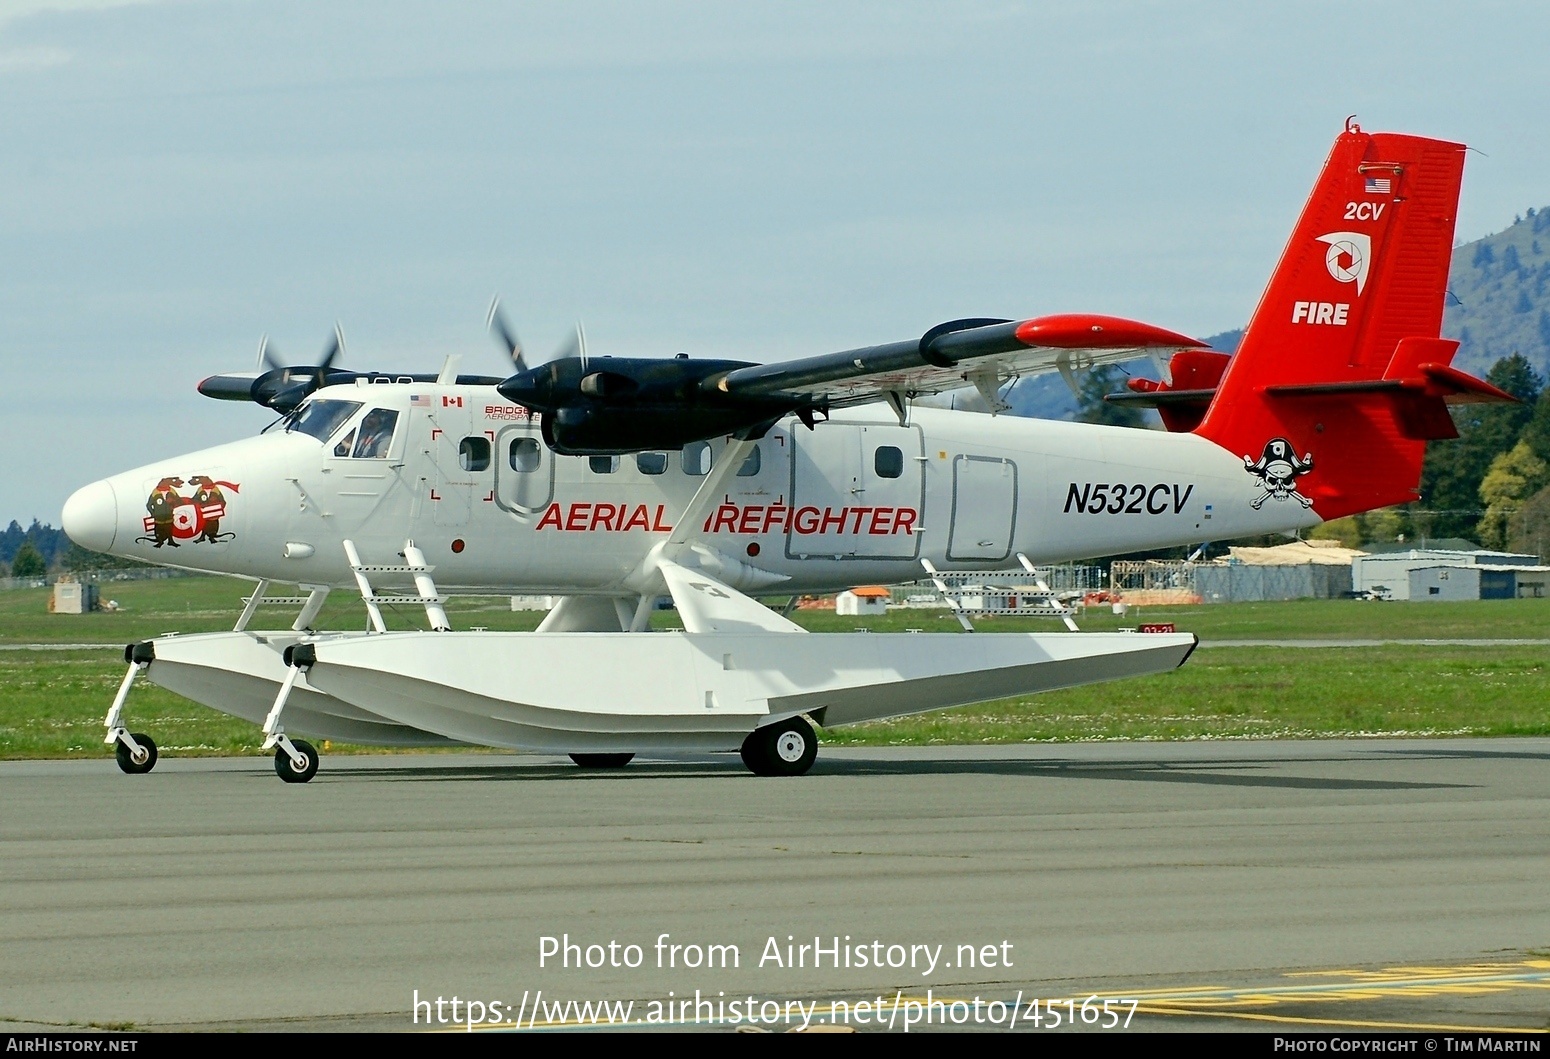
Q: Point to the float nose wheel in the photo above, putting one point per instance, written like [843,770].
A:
[298,767]
[295,760]
[140,758]
[135,751]
[786,748]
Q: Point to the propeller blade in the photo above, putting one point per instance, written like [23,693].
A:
[495,322]
[575,346]
[332,350]
[267,361]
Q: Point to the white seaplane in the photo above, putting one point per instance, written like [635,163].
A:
[614,482]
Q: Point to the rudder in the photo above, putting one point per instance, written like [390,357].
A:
[1341,359]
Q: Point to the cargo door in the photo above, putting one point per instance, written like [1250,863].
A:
[984,508]
[524,470]
[856,492]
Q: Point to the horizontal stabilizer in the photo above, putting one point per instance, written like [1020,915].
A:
[1457,387]
[1417,392]
[1182,400]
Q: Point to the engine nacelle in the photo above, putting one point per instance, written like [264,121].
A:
[612,406]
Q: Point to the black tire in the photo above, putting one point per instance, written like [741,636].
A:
[602,761]
[285,768]
[126,761]
[787,748]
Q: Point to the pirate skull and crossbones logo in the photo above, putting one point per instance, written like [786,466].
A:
[1277,470]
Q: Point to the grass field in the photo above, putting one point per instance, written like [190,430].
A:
[53,701]
[209,604]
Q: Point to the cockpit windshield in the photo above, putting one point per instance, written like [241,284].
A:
[321,418]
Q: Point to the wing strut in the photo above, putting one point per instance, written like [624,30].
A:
[696,575]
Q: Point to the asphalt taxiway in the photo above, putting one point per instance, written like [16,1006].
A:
[1234,885]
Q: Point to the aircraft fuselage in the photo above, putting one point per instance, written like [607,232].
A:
[860,499]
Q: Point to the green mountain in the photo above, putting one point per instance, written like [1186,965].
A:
[1500,296]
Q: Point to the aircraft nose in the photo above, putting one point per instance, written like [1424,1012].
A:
[91,516]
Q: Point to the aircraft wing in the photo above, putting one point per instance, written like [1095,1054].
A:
[950,356]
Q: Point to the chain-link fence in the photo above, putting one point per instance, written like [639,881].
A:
[1151,582]
[1157,582]
[1065,580]
[95,577]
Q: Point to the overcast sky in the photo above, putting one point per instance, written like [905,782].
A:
[759,180]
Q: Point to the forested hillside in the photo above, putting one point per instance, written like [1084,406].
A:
[1499,304]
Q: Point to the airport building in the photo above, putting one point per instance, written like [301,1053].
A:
[868,599]
[1298,570]
[1449,574]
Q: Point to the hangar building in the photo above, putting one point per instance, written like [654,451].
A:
[1300,570]
[1446,573]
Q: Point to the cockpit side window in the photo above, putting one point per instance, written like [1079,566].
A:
[343,448]
[376,434]
[321,418]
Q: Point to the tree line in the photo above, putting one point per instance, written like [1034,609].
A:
[40,549]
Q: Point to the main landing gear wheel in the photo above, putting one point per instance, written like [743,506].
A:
[786,748]
[126,759]
[286,768]
[602,761]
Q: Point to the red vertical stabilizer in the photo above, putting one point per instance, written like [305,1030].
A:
[1366,269]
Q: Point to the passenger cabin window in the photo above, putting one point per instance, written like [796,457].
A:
[473,454]
[651,462]
[603,464]
[321,418]
[696,458]
[526,454]
[750,466]
[377,435]
[888,461]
